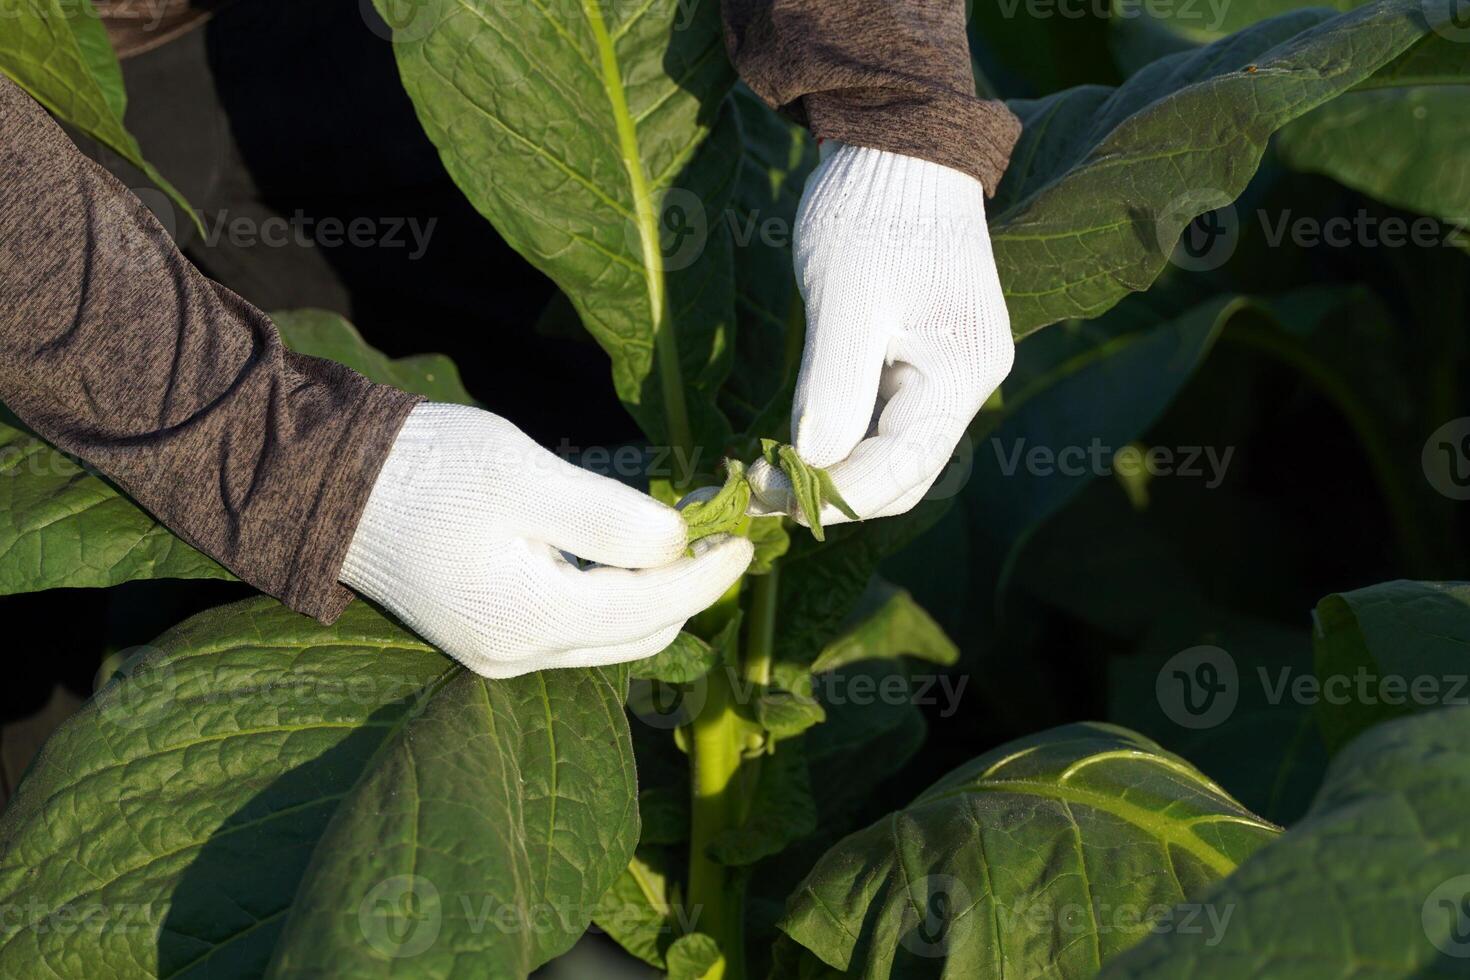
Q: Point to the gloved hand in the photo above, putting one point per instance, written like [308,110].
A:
[463,539]
[907,330]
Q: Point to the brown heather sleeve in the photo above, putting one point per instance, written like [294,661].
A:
[888,74]
[116,349]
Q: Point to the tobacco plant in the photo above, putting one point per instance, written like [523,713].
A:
[286,799]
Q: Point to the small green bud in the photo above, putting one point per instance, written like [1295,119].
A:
[723,512]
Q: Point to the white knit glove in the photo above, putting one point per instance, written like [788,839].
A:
[464,536]
[907,330]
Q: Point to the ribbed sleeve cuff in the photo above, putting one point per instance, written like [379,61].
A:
[969,135]
[313,588]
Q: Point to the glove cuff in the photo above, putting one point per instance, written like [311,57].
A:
[860,180]
[375,556]
[890,198]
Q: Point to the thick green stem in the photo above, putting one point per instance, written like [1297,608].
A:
[761,640]
[723,780]
[755,673]
[715,897]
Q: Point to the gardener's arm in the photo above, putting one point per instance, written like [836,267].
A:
[117,350]
[114,348]
[904,306]
[888,74]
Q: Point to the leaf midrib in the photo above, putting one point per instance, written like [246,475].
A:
[1164,830]
[666,347]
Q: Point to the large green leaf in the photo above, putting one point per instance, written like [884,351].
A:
[1390,650]
[1046,856]
[1142,33]
[1403,143]
[513,801]
[1439,59]
[1104,180]
[1371,884]
[63,526]
[59,53]
[577,128]
[343,800]
[96,51]
[1405,146]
